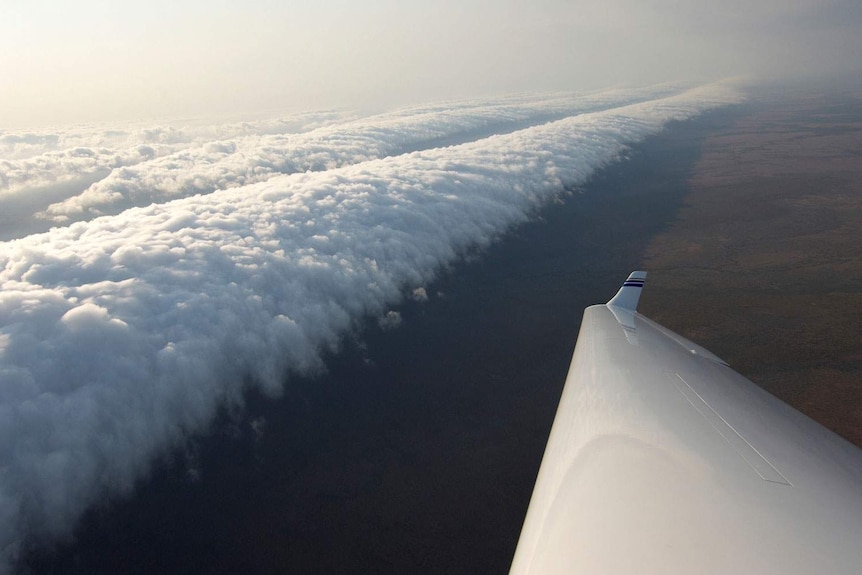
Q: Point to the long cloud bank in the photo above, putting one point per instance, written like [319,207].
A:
[36,159]
[41,168]
[123,335]
[22,144]
[80,183]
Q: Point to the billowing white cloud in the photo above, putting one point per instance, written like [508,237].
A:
[38,169]
[16,145]
[420,295]
[122,335]
[390,320]
[83,183]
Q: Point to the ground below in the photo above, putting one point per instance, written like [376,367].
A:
[763,265]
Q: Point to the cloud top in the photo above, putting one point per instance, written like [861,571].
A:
[59,187]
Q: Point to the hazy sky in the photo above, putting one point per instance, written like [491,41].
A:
[67,61]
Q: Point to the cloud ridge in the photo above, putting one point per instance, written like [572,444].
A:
[76,184]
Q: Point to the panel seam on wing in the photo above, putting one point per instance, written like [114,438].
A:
[755,460]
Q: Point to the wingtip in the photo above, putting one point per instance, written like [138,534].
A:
[629,294]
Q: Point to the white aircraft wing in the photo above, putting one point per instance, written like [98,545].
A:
[662,459]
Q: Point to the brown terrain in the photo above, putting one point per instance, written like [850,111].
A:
[764,264]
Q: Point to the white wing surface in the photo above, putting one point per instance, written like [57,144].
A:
[662,459]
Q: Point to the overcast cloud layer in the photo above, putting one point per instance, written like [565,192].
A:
[122,335]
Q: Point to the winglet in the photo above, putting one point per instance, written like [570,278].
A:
[628,296]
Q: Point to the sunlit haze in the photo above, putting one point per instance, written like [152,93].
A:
[98,60]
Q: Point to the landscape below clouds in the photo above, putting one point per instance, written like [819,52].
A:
[195,262]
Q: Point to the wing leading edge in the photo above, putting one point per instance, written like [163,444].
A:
[662,459]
